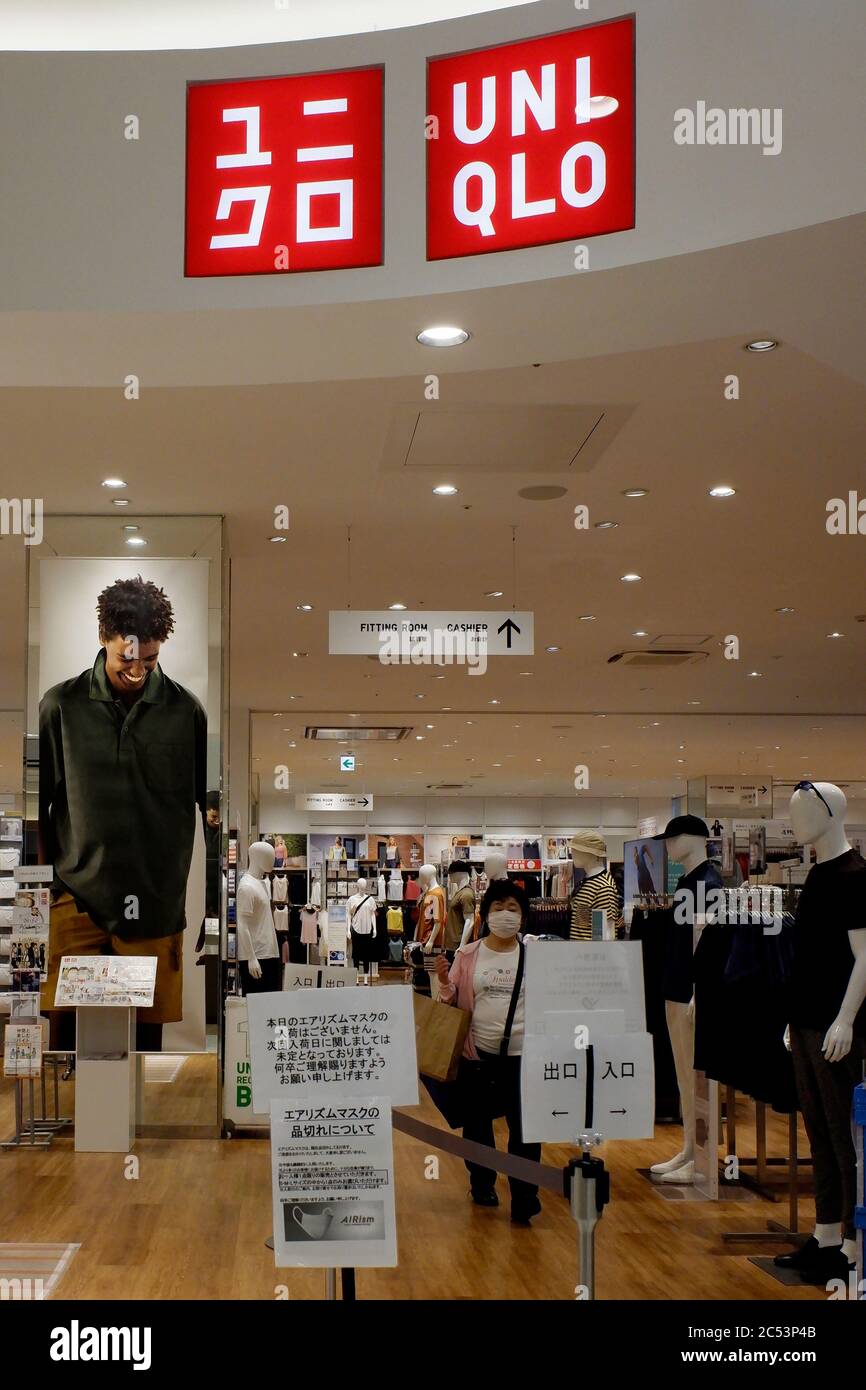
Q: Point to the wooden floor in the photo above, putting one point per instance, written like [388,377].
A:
[193,1225]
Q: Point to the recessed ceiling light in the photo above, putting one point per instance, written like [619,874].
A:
[299,654]
[635,492]
[113,482]
[694,702]
[722,490]
[470,721]
[304,607]
[493,702]
[756,673]
[278,540]
[438,678]
[587,618]
[835,634]
[494,593]
[397,607]
[762,345]
[136,540]
[538,760]
[431,726]
[551,649]
[524,673]
[442,335]
[420,697]
[629,578]
[120,501]
[605,525]
[278,715]
[497,764]
[785,610]
[131,528]
[419,738]
[445,490]
[640,633]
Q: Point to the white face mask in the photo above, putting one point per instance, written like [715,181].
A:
[505,923]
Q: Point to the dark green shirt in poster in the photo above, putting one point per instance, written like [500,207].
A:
[118,790]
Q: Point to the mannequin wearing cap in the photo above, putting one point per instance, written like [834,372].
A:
[258,951]
[598,890]
[827,1022]
[686,838]
[461,906]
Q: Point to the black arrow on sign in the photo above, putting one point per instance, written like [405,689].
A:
[617,1112]
[508,627]
[560,1112]
[366,801]
[763,790]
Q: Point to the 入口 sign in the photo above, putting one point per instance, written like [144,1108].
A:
[557,1103]
[531,142]
[284,173]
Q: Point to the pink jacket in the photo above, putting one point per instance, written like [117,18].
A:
[459,989]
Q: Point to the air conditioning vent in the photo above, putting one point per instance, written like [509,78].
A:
[658,657]
[445,786]
[373,735]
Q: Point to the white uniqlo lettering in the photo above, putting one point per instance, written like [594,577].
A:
[587,149]
[343,188]
[464,134]
[542,105]
[228,197]
[252,155]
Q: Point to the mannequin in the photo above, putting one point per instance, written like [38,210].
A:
[686,838]
[461,907]
[258,951]
[598,890]
[430,930]
[495,867]
[361,916]
[827,1022]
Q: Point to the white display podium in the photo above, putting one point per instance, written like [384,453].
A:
[104,1080]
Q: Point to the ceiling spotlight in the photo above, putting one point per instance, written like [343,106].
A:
[551,649]
[785,610]
[278,540]
[605,525]
[640,633]
[635,492]
[493,702]
[756,673]
[113,482]
[494,593]
[442,335]
[120,501]
[587,618]
[722,490]
[136,540]
[304,607]
[835,634]
[131,528]
[299,654]
[445,490]
[420,697]
[762,345]
[431,726]
[524,673]
[694,702]
[419,737]
[629,578]
[397,607]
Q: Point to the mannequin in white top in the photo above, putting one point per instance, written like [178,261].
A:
[818,819]
[258,950]
[691,852]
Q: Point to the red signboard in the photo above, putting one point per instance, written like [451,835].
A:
[531,142]
[284,174]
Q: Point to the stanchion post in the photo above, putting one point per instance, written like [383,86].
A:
[586,1184]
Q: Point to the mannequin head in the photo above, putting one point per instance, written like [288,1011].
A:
[426,875]
[260,859]
[458,875]
[495,864]
[818,817]
[361,886]
[688,850]
[588,851]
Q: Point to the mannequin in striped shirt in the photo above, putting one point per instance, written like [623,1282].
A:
[598,890]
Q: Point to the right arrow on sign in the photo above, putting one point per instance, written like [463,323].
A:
[508,627]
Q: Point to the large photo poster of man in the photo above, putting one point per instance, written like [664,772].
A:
[123,683]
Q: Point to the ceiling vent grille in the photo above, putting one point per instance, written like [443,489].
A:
[445,786]
[658,657]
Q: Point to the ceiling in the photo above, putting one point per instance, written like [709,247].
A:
[57,25]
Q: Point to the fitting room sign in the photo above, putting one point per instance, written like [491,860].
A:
[526,144]
[531,142]
[436,639]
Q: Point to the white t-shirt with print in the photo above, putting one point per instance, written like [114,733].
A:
[493,981]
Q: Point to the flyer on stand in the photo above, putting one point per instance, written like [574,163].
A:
[106,981]
[22,1049]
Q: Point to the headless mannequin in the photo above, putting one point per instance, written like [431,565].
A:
[257,944]
[352,904]
[434,925]
[456,883]
[813,825]
[691,852]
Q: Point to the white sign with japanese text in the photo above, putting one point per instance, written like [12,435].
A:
[584,975]
[332,1167]
[358,1042]
[319,976]
[557,1105]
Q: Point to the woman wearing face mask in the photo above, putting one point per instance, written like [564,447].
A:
[486,980]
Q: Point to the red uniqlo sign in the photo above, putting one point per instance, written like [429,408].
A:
[533,142]
[284,174]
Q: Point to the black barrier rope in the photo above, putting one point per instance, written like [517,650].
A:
[539,1174]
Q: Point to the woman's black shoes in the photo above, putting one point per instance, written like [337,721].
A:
[484,1197]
